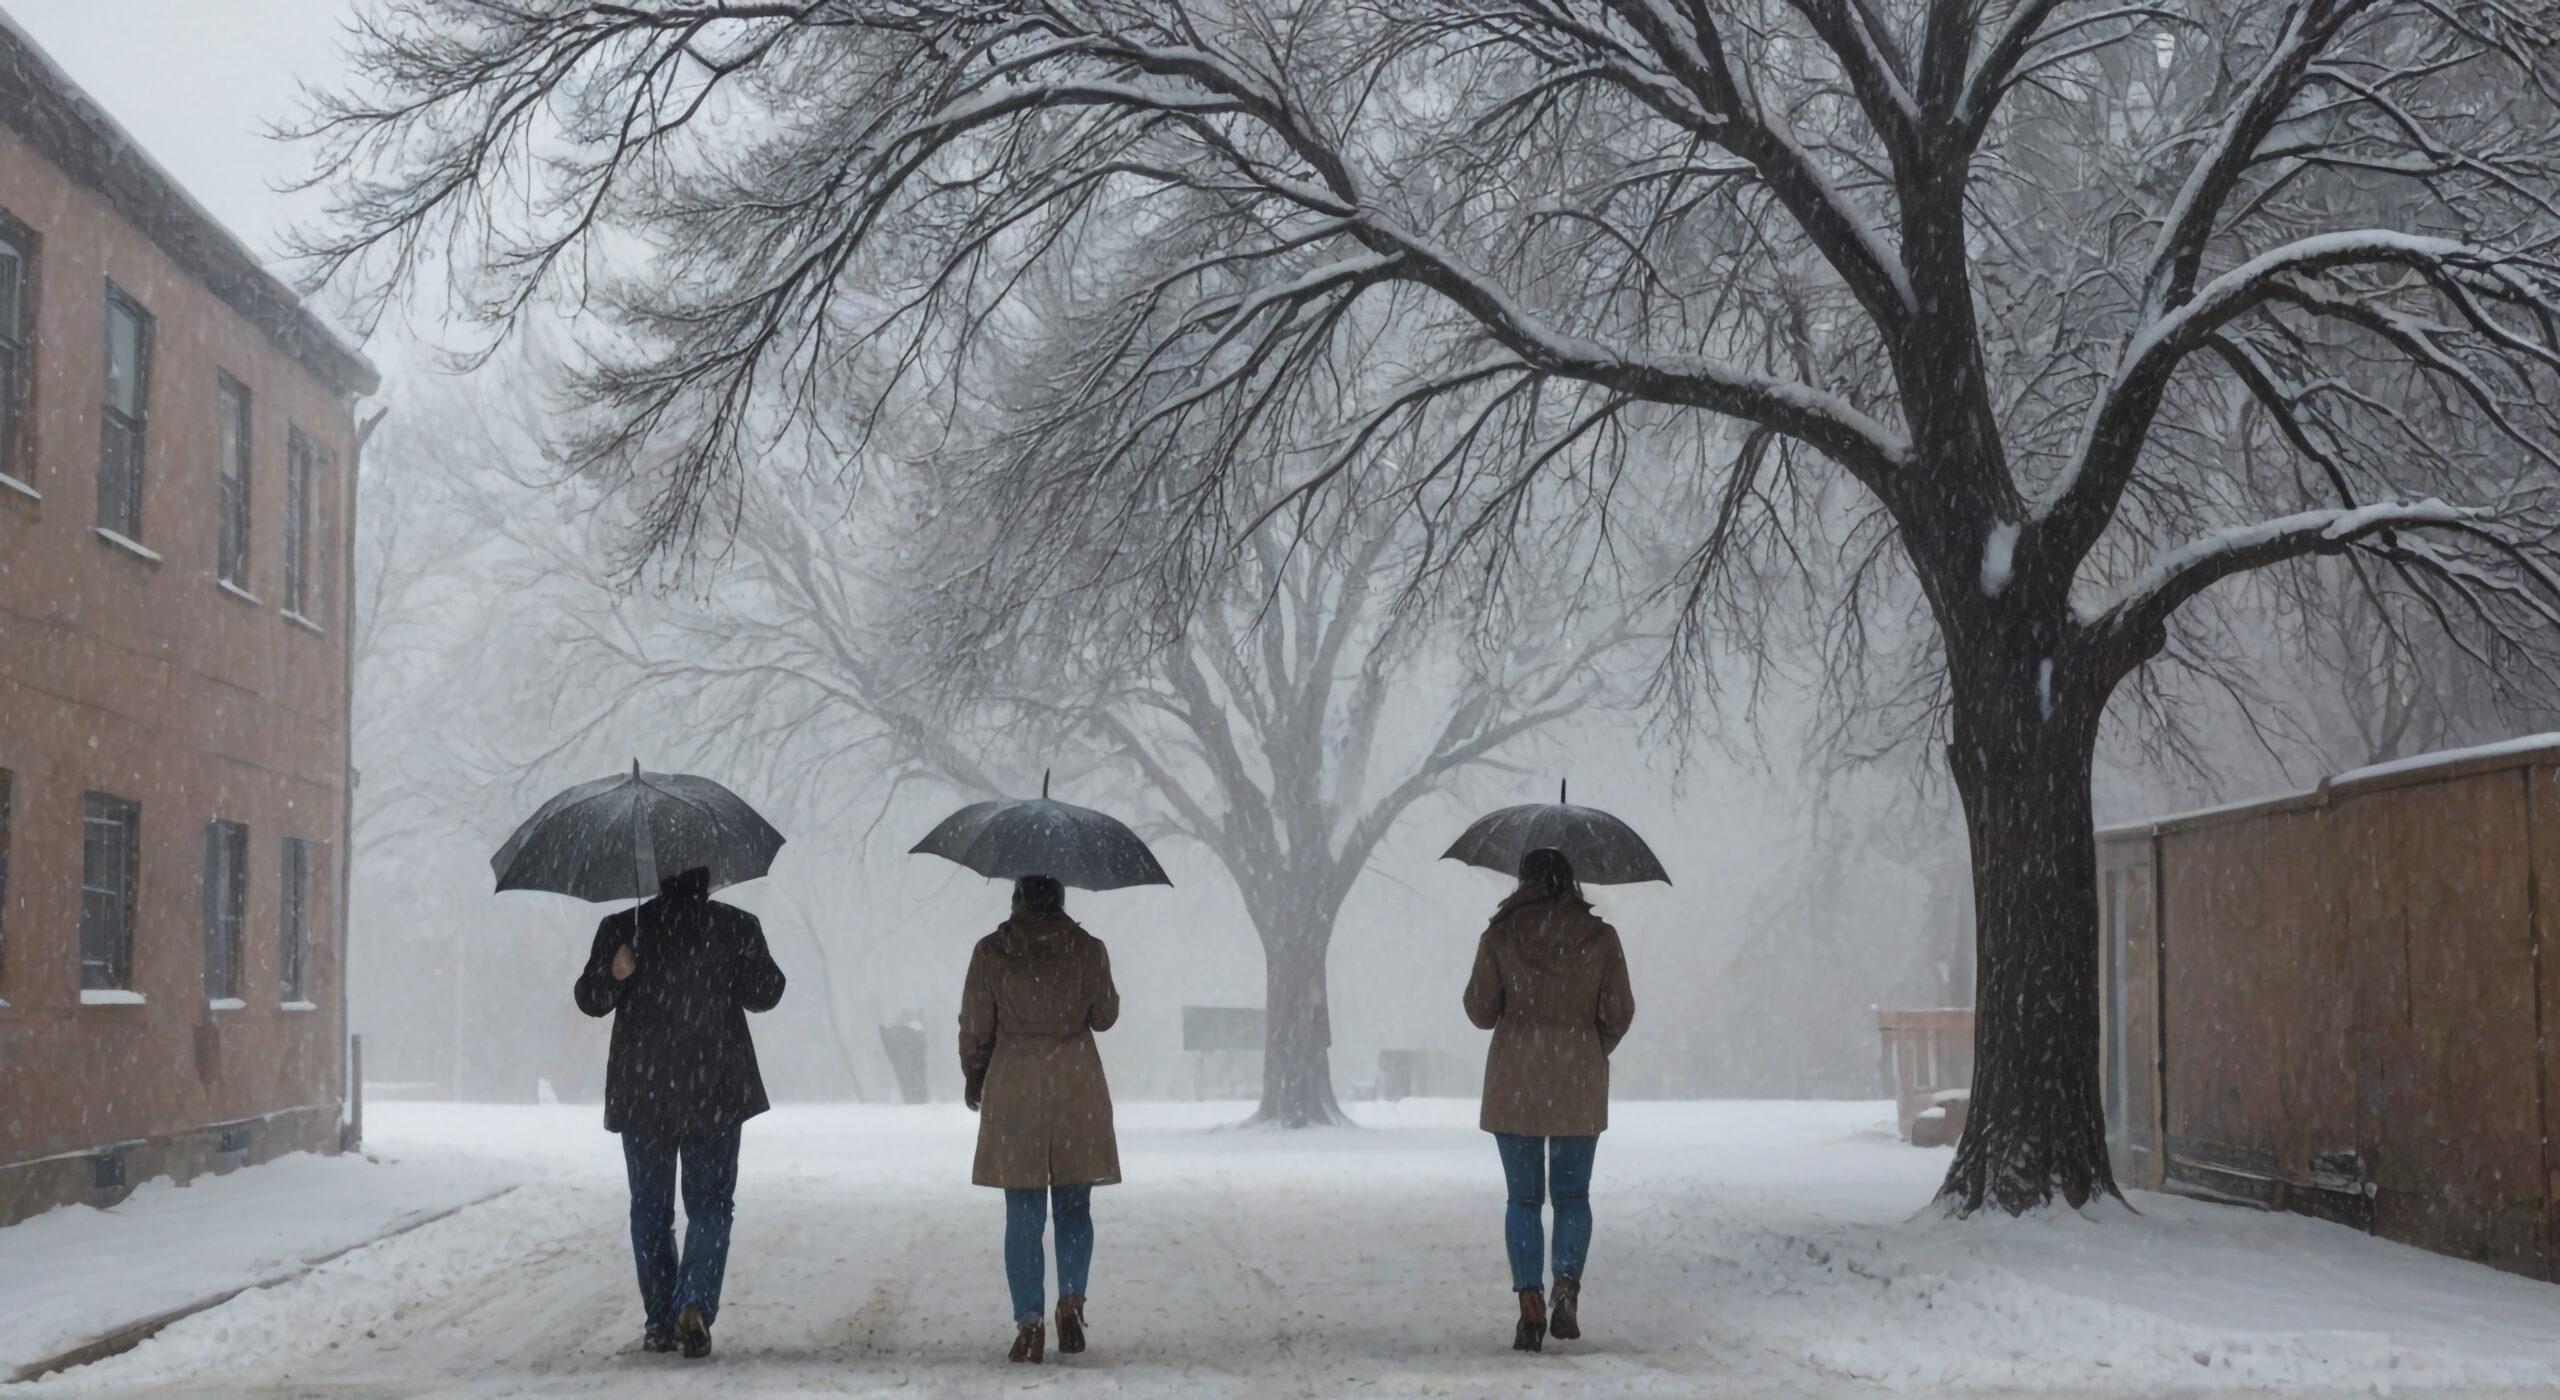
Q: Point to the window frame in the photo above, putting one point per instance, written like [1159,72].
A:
[300,455]
[226,908]
[106,955]
[122,482]
[235,445]
[17,378]
[293,921]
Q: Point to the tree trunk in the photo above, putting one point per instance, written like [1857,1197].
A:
[1297,1060]
[2036,1125]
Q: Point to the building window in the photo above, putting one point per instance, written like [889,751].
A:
[231,402]
[226,906]
[295,920]
[301,470]
[110,875]
[127,410]
[16,261]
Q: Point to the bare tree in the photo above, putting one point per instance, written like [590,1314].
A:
[1293,727]
[2003,265]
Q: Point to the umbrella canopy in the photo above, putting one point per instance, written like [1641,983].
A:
[1603,849]
[1073,845]
[616,838]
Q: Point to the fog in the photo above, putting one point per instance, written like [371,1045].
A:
[1819,871]
[1811,883]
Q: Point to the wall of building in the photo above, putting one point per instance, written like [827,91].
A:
[2342,1008]
[144,677]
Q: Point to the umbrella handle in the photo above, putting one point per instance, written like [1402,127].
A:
[644,866]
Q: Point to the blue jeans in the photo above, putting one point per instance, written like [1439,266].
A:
[1024,1210]
[710,1202]
[1532,1165]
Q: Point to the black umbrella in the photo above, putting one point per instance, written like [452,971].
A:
[1073,845]
[1603,849]
[616,838]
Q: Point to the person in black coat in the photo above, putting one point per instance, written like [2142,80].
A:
[678,975]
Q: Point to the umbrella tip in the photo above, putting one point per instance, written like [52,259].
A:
[1044,784]
[1560,792]
[635,768]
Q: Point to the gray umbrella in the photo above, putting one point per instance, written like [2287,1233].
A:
[1073,845]
[1603,849]
[616,838]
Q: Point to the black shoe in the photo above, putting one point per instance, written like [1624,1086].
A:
[1564,1312]
[1531,1334]
[655,1340]
[693,1334]
[1071,1324]
[1030,1343]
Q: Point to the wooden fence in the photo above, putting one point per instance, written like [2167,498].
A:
[2333,1002]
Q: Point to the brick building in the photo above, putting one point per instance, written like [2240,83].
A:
[176,480]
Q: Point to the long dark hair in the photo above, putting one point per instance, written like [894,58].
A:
[1037,896]
[1545,873]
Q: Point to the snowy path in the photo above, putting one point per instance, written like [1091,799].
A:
[67,1275]
[1744,1249]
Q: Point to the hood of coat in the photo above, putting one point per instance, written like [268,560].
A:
[1555,920]
[1536,902]
[1036,935]
[688,886]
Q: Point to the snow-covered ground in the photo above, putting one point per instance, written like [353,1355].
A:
[71,1274]
[1748,1249]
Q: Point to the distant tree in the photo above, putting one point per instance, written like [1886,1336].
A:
[1999,265]
[1297,718]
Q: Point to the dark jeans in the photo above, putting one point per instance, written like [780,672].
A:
[710,1202]
[1024,1209]
[1533,1166]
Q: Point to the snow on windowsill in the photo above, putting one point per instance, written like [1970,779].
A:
[227,1004]
[140,549]
[300,1006]
[304,623]
[11,483]
[110,996]
[236,591]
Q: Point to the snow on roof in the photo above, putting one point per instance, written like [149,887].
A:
[68,127]
[2509,748]
[2239,807]
[2396,768]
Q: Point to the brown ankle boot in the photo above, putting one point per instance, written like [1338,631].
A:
[1564,1323]
[1030,1343]
[1070,1324]
[1532,1332]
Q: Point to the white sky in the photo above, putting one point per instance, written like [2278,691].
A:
[197,82]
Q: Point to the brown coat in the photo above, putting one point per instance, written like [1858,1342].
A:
[1037,991]
[1551,984]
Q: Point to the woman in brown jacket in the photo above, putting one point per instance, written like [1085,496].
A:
[1551,984]
[1038,988]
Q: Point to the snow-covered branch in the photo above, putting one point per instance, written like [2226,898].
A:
[2083,498]
[2178,575]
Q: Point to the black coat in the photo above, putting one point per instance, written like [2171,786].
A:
[682,1061]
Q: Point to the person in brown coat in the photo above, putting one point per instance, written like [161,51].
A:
[1038,989]
[1550,982]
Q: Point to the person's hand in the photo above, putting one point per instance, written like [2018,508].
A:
[970,1097]
[623,963]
